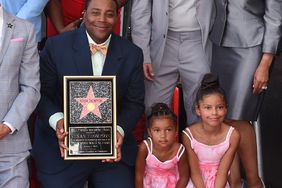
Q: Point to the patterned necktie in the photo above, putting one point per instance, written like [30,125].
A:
[95,48]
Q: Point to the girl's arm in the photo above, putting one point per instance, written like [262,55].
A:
[140,165]
[55,13]
[195,172]
[226,161]
[183,169]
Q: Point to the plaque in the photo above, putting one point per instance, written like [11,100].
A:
[90,117]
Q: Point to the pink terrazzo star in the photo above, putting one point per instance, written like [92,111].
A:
[90,104]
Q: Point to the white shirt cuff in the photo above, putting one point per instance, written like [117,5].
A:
[55,118]
[10,127]
[120,130]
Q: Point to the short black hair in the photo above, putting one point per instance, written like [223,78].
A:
[88,1]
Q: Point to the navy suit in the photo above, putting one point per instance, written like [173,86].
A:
[69,54]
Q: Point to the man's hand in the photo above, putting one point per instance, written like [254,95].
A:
[148,71]
[118,148]
[4,130]
[61,134]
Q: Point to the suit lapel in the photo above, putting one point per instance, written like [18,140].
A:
[82,56]
[114,57]
[7,33]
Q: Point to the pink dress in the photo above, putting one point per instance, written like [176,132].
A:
[160,174]
[209,157]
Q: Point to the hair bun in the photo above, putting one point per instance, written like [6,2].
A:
[209,81]
[160,107]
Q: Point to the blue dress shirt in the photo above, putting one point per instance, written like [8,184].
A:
[30,10]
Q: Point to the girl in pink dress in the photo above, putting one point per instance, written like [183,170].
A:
[211,144]
[161,161]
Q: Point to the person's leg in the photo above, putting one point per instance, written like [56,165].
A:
[248,152]
[166,75]
[74,176]
[234,178]
[109,175]
[14,175]
[193,66]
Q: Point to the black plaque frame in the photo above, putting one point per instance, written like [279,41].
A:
[90,117]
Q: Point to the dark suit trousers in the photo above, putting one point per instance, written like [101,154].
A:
[98,175]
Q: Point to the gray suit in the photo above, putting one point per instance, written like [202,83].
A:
[19,92]
[150,19]
[242,32]
[248,23]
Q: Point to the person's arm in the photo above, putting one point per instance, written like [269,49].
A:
[195,172]
[28,79]
[50,102]
[141,31]
[273,26]
[226,161]
[121,3]
[4,130]
[261,75]
[270,46]
[31,9]
[132,102]
[55,13]
[183,169]
[140,165]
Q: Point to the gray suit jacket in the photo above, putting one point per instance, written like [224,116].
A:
[19,83]
[248,23]
[149,22]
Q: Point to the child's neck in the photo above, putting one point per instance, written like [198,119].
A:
[164,154]
[211,135]
[211,129]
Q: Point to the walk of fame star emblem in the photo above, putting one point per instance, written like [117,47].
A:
[90,104]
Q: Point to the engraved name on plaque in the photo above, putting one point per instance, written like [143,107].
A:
[90,117]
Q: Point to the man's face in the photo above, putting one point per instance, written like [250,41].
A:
[100,19]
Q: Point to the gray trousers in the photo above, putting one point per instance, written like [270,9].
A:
[184,59]
[14,171]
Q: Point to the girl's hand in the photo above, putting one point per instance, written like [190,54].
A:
[261,75]
[140,164]
[71,26]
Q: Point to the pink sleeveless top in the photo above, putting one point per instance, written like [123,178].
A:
[209,157]
[160,174]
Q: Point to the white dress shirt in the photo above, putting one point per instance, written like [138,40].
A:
[98,59]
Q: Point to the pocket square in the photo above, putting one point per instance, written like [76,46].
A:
[17,40]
